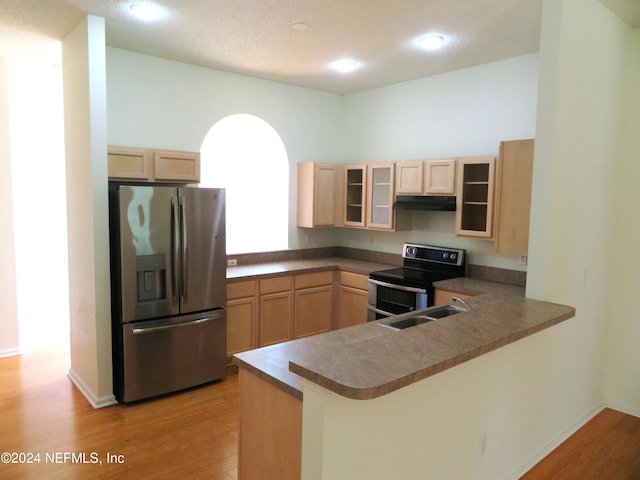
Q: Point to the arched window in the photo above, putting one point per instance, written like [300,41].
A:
[246,156]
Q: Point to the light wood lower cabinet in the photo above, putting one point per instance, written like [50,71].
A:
[270,436]
[242,316]
[444,297]
[276,310]
[352,299]
[313,307]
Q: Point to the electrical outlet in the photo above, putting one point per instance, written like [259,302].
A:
[232,262]
[523,260]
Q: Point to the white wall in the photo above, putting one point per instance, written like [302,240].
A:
[159,103]
[154,102]
[83,56]
[580,126]
[462,113]
[9,341]
[623,379]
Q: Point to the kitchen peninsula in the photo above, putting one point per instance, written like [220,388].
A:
[416,402]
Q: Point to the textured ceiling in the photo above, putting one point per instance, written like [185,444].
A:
[255,37]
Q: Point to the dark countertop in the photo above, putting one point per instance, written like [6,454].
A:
[368,361]
[261,270]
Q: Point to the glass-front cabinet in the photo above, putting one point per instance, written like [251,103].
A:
[369,194]
[355,181]
[475,191]
[380,189]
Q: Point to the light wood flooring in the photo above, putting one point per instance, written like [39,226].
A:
[188,436]
[193,435]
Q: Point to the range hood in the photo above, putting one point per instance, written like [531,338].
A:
[422,202]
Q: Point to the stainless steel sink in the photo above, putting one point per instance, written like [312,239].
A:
[416,318]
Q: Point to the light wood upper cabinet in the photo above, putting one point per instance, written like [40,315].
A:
[355,185]
[513,197]
[426,177]
[440,177]
[410,178]
[319,194]
[129,163]
[475,197]
[169,165]
[148,165]
[380,196]
[369,192]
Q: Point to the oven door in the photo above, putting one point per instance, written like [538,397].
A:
[388,299]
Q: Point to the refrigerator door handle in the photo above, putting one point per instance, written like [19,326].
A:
[142,331]
[175,252]
[184,264]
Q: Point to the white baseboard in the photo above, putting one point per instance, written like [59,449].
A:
[10,352]
[624,408]
[92,398]
[554,443]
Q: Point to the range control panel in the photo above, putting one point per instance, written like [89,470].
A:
[427,253]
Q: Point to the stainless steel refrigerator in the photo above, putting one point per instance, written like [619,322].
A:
[168,288]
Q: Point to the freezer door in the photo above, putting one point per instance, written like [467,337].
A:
[162,356]
[148,251]
[203,276]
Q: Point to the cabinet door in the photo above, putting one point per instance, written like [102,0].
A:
[475,197]
[270,431]
[440,177]
[275,318]
[317,191]
[352,308]
[380,196]
[410,178]
[242,316]
[126,163]
[169,165]
[313,310]
[513,197]
[355,181]
[241,325]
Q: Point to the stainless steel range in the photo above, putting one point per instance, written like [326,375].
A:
[410,287]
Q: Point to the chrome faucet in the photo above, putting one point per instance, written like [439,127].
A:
[459,300]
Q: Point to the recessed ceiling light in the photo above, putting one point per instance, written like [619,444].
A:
[146,11]
[431,41]
[300,26]
[345,65]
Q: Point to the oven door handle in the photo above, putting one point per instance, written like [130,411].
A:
[397,287]
[381,312]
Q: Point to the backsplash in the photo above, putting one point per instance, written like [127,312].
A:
[492,274]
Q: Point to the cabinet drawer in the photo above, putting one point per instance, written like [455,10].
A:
[316,279]
[241,289]
[273,285]
[354,280]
